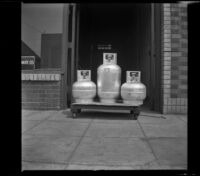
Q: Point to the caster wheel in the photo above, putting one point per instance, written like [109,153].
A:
[136,113]
[73,115]
[135,116]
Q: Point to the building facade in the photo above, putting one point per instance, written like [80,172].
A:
[175,55]
[148,37]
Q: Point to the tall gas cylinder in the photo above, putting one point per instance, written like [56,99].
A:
[133,91]
[108,79]
[84,90]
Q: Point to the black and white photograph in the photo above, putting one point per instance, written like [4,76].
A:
[80,112]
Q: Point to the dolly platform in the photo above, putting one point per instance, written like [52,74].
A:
[76,108]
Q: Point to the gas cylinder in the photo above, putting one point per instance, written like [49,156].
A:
[84,90]
[133,92]
[108,79]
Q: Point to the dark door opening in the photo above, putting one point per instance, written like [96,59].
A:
[124,27]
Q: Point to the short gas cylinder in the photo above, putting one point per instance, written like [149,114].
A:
[84,90]
[133,91]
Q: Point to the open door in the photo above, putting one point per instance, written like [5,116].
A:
[69,47]
[71,71]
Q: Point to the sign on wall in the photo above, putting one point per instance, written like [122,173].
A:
[104,47]
[28,62]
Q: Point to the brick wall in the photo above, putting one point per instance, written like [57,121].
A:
[174,58]
[40,94]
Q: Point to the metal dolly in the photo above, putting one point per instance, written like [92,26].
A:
[76,108]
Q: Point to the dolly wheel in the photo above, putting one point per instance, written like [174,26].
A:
[135,116]
[136,113]
[73,115]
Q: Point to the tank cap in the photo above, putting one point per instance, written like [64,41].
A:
[133,76]
[109,58]
[84,75]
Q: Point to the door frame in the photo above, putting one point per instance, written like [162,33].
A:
[156,102]
[156,57]
[68,44]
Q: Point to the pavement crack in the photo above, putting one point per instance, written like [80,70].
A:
[147,141]
[182,120]
[37,123]
[81,138]
[163,117]
[43,162]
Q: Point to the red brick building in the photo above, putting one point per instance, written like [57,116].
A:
[148,37]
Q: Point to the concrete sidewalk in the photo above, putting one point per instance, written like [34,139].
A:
[53,140]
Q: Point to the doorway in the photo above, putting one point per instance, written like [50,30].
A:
[130,30]
[121,28]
